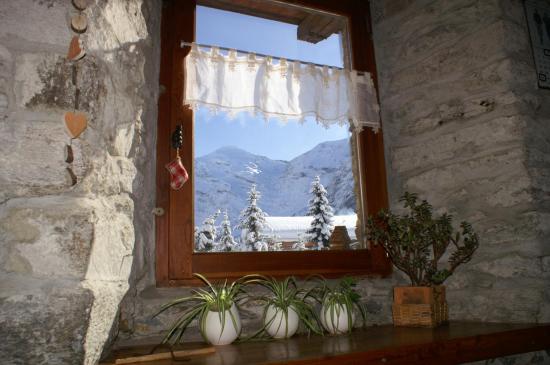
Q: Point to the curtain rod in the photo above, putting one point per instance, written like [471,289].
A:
[189,44]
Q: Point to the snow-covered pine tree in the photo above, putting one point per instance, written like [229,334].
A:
[205,237]
[322,213]
[240,247]
[253,222]
[226,241]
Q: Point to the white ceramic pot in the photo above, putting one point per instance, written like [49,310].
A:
[335,319]
[213,327]
[278,325]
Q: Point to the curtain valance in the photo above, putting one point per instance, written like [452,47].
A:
[286,90]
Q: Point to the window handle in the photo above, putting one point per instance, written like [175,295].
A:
[158,211]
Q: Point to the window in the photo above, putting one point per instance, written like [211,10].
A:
[274,160]
[177,258]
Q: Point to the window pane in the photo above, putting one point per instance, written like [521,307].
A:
[233,30]
[247,169]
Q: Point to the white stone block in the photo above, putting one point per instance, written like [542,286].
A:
[32,157]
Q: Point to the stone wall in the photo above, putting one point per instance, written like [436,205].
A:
[465,127]
[67,253]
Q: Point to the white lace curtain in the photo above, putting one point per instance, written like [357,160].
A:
[232,83]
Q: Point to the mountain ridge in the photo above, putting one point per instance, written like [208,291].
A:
[223,178]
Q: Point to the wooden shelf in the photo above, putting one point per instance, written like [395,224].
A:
[456,343]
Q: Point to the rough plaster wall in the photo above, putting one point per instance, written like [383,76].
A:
[466,127]
[67,253]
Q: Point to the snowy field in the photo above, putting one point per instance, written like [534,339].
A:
[289,228]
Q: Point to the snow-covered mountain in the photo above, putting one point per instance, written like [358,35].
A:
[223,178]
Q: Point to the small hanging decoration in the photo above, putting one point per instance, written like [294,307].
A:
[75,121]
[80,4]
[76,50]
[79,23]
[178,173]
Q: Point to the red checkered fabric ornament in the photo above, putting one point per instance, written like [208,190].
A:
[178,174]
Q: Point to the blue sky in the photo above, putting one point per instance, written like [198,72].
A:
[272,139]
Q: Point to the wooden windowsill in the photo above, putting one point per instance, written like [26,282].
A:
[456,343]
[328,263]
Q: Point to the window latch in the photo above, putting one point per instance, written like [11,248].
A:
[158,211]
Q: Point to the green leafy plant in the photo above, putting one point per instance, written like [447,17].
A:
[285,295]
[338,297]
[416,241]
[216,298]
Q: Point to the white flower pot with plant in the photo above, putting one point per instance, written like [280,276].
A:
[215,308]
[221,328]
[280,323]
[338,303]
[336,318]
[285,307]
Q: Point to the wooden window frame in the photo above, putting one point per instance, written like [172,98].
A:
[176,260]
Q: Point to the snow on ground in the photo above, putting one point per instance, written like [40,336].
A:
[288,228]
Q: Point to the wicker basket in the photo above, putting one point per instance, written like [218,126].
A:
[419,306]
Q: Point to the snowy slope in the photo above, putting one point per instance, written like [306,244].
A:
[222,180]
[332,162]
[288,228]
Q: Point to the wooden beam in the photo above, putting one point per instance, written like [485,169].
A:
[312,26]
[317,27]
[262,9]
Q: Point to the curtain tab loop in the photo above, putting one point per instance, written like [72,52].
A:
[296,70]
[268,66]
[252,61]
[283,67]
[232,57]
[326,76]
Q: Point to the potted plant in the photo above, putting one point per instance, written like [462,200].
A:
[214,307]
[338,304]
[286,305]
[416,242]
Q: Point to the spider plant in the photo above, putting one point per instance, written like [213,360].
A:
[338,303]
[219,299]
[284,307]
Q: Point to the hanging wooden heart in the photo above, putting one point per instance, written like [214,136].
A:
[76,123]
[76,51]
